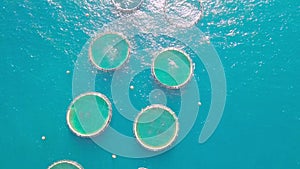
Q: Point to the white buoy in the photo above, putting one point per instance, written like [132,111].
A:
[199,103]
[43,138]
[68,72]
[113,156]
[131,87]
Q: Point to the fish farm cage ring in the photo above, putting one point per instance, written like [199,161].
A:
[178,21]
[65,164]
[89,114]
[127,5]
[156,127]
[172,68]
[109,51]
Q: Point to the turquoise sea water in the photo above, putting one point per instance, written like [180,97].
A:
[257,42]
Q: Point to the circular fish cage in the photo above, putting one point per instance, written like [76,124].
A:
[127,5]
[89,114]
[109,51]
[65,164]
[172,68]
[156,127]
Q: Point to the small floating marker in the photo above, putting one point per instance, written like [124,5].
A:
[109,51]
[131,87]
[43,137]
[156,127]
[89,114]
[87,15]
[172,68]
[199,103]
[68,72]
[114,156]
[65,164]
[142,168]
